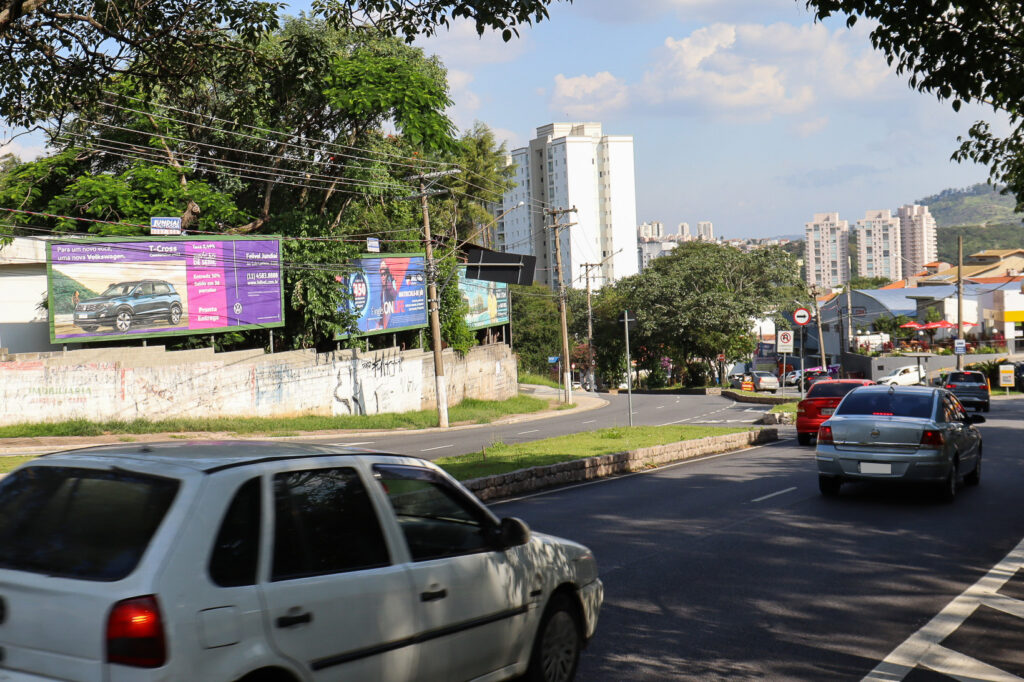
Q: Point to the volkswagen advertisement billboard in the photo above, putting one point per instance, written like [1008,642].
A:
[119,288]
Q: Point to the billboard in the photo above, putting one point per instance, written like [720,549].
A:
[387,293]
[120,288]
[487,301]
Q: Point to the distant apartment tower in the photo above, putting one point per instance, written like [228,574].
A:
[826,250]
[879,247]
[575,165]
[683,230]
[917,229]
[652,230]
[705,231]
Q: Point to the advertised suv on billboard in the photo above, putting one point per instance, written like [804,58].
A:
[124,304]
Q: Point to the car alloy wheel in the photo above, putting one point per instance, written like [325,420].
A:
[175,316]
[557,648]
[974,478]
[948,490]
[123,321]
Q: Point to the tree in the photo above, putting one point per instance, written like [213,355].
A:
[536,329]
[66,54]
[960,51]
[869,282]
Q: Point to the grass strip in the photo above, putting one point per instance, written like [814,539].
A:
[787,408]
[500,458]
[536,379]
[468,411]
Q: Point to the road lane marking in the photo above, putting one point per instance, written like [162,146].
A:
[780,492]
[590,421]
[923,648]
[678,421]
[523,433]
[362,442]
[439,447]
[660,407]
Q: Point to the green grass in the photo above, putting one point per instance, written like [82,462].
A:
[784,407]
[8,464]
[526,378]
[501,458]
[472,411]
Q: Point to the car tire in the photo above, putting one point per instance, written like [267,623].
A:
[88,327]
[174,316]
[829,485]
[556,649]
[803,438]
[123,321]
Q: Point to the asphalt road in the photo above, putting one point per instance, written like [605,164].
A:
[648,410]
[734,567]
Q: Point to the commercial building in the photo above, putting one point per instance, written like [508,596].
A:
[574,165]
[917,236]
[826,250]
[879,248]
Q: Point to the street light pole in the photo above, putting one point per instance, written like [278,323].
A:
[555,214]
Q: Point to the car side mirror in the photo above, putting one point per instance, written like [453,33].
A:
[512,532]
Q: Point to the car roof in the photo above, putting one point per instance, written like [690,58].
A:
[209,456]
[879,388]
[863,382]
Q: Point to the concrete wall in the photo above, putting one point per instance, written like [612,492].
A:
[150,383]
[876,368]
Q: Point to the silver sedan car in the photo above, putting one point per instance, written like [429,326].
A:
[900,433]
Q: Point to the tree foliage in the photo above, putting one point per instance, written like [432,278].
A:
[960,51]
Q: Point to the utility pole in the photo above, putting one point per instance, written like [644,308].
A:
[851,343]
[590,329]
[821,335]
[433,303]
[555,214]
[960,297]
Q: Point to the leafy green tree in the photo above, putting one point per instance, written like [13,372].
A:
[536,329]
[960,51]
[869,282]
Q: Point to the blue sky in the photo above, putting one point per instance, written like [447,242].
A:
[743,112]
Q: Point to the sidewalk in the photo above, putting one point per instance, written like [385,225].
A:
[44,444]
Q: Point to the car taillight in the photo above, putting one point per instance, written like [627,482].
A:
[950,386]
[135,633]
[824,435]
[984,387]
[931,438]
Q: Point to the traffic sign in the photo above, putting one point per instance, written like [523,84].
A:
[721,357]
[784,341]
[801,316]
[960,347]
[1006,375]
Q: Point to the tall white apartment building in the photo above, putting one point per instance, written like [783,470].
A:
[826,250]
[575,165]
[651,230]
[917,229]
[879,247]
[705,231]
[683,230]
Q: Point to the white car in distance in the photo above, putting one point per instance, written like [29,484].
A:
[911,375]
[276,562]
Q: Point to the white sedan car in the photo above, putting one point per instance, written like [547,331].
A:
[765,381]
[274,562]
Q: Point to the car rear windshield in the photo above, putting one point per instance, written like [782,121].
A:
[79,523]
[887,404]
[830,389]
[966,378]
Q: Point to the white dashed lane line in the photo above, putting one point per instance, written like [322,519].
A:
[778,492]
[439,447]
[523,433]
[590,421]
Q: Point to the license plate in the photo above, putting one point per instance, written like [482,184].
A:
[828,410]
[875,468]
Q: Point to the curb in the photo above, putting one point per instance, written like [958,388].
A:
[45,444]
[760,399]
[522,481]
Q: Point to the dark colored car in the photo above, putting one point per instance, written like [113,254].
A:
[970,387]
[125,303]
[1018,376]
[819,404]
[813,376]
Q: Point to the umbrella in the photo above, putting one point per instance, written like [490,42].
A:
[941,324]
[967,324]
[912,325]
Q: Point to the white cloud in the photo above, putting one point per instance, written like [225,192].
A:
[588,96]
[746,71]
[811,127]
[461,47]
[25,149]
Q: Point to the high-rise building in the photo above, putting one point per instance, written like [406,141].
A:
[826,250]
[683,230]
[575,165]
[879,247]
[651,230]
[917,230]
[705,231]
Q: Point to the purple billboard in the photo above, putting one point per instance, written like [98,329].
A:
[130,288]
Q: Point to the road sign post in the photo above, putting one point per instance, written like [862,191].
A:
[626,321]
[1006,378]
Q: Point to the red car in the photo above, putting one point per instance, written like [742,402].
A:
[820,402]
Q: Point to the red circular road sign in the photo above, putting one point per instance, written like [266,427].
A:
[801,316]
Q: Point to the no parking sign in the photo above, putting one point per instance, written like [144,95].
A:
[784,342]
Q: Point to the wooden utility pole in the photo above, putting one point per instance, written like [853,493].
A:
[590,321]
[960,297]
[821,335]
[555,214]
[433,303]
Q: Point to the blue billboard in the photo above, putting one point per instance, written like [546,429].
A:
[387,293]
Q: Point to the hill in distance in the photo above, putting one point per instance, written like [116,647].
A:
[980,204]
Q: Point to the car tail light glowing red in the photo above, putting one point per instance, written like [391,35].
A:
[984,387]
[931,438]
[951,386]
[135,633]
[825,435]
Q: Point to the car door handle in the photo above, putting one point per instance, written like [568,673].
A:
[433,595]
[292,621]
